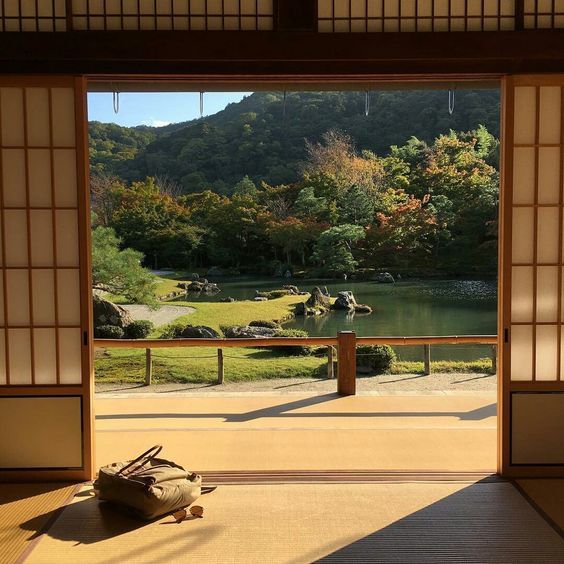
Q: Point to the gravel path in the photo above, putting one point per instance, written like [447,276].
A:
[165,314]
[386,384]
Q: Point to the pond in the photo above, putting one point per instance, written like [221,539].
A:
[410,308]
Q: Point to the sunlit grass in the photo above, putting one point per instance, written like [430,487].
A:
[199,365]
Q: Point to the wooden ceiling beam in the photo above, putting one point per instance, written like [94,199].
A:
[281,53]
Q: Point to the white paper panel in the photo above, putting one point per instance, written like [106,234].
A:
[14,175]
[68,292]
[67,237]
[549,175]
[522,294]
[15,225]
[547,294]
[37,104]
[63,117]
[43,291]
[547,352]
[12,122]
[39,178]
[41,238]
[548,235]
[65,177]
[70,356]
[524,175]
[523,230]
[20,356]
[44,353]
[521,352]
[2,357]
[549,119]
[525,118]
[17,292]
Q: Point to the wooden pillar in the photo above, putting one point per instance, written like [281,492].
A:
[330,362]
[148,367]
[427,359]
[346,383]
[220,372]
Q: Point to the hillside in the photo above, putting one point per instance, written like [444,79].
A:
[256,137]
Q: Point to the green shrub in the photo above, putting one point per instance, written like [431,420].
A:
[273,294]
[173,330]
[109,332]
[139,329]
[292,351]
[378,358]
[267,324]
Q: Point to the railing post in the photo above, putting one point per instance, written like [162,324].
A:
[148,367]
[220,373]
[427,359]
[494,359]
[330,361]
[346,383]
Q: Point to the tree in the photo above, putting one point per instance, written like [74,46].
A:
[333,250]
[157,225]
[245,187]
[119,271]
[293,236]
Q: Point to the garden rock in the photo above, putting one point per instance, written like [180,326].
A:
[384,278]
[362,308]
[248,332]
[108,313]
[200,332]
[345,301]
[227,300]
[294,290]
[316,304]
[260,299]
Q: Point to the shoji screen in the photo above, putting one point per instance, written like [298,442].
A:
[532,308]
[44,273]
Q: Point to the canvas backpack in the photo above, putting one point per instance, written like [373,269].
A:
[149,487]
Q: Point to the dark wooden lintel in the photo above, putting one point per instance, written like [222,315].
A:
[281,53]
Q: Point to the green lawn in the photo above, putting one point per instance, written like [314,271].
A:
[217,314]
[199,364]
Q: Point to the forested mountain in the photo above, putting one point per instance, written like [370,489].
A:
[264,137]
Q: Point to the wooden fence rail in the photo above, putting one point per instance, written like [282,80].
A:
[346,343]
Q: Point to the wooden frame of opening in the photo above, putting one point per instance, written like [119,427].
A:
[84,389]
[506,387]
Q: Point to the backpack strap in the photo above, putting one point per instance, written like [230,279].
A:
[147,456]
[208,489]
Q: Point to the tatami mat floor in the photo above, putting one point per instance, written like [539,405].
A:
[303,431]
[25,509]
[408,522]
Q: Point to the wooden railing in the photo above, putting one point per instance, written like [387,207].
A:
[345,341]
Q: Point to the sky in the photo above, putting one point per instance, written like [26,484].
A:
[157,108]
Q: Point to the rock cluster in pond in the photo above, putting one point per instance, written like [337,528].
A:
[201,285]
[108,313]
[249,332]
[318,303]
[199,332]
[384,278]
[227,300]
